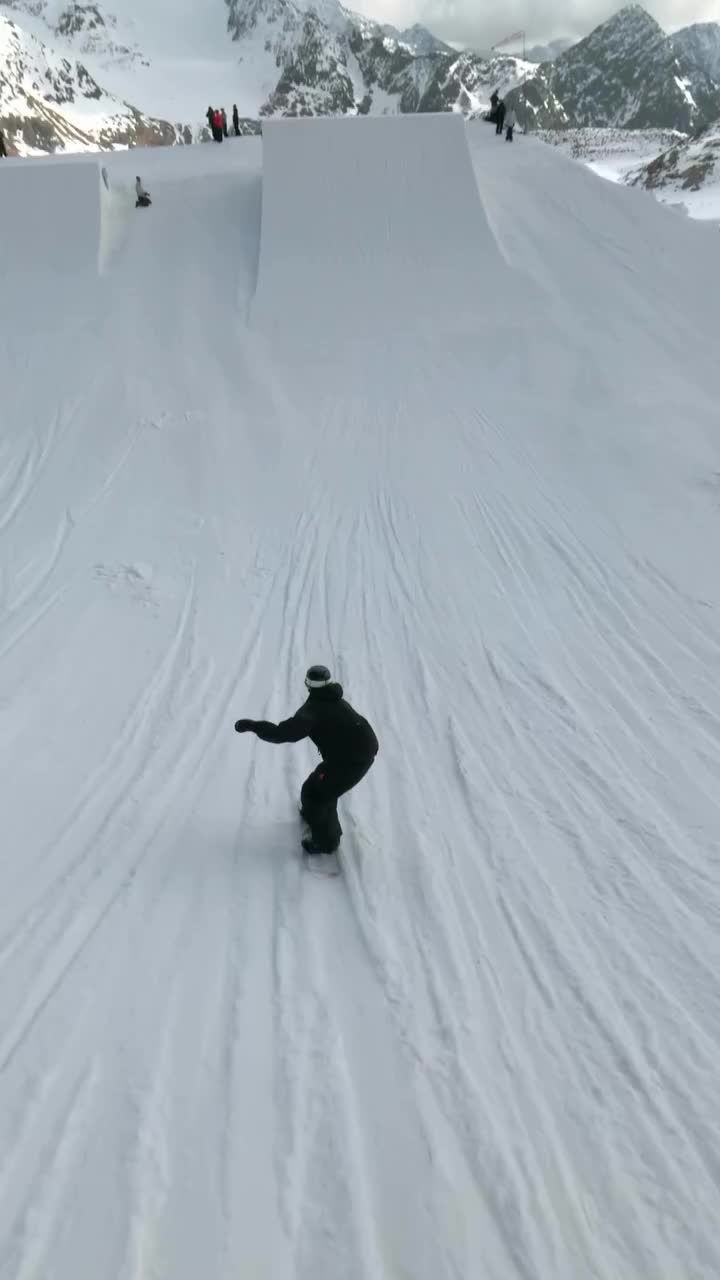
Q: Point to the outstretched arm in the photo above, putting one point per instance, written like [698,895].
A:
[292,730]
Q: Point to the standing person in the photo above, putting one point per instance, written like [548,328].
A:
[494,99]
[500,117]
[210,117]
[224,122]
[510,122]
[218,130]
[236,121]
[3,148]
[346,742]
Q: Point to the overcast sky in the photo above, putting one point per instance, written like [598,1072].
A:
[483,22]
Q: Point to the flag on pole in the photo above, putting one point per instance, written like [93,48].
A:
[516,35]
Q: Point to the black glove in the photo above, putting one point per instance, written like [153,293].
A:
[244,726]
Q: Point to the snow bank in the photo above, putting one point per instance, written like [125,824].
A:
[492,1047]
[370,224]
[50,230]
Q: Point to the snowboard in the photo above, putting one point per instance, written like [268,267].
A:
[318,864]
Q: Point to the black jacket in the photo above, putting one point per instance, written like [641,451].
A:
[341,735]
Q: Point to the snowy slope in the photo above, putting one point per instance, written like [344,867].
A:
[612,153]
[686,175]
[490,1049]
[679,171]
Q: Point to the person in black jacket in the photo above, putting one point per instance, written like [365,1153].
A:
[236,120]
[3,148]
[346,742]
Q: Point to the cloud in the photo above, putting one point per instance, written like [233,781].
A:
[467,22]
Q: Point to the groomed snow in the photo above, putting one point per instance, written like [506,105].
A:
[490,501]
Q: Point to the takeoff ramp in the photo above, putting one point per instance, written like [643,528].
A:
[50,219]
[371,224]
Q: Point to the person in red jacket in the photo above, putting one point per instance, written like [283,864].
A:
[218,121]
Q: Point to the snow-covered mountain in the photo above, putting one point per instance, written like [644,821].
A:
[171,58]
[550,51]
[336,61]
[51,102]
[268,56]
[612,153]
[626,73]
[418,39]
[687,174]
[700,44]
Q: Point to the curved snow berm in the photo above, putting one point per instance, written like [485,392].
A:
[50,232]
[370,224]
[49,223]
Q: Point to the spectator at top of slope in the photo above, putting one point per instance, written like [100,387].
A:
[500,117]
[223,113]
[3,148]
[510,122]
[218,126]
[236,120]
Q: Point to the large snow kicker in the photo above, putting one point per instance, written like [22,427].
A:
[458,439]
[49,223]
[361,211]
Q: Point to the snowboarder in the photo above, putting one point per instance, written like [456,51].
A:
[223,113]
[236,121]
[500,118]
[346,742]
[3,148]
[510,122]
[143,197]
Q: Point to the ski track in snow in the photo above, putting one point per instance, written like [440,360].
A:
[490,1046]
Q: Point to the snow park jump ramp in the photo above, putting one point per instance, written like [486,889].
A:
[50,230]
[370,225]
[50,217]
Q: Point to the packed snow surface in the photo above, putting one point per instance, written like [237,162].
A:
[454,433]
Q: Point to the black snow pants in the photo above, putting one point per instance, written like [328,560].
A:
[319,797]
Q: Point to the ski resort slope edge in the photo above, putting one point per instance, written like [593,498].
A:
[442,413]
